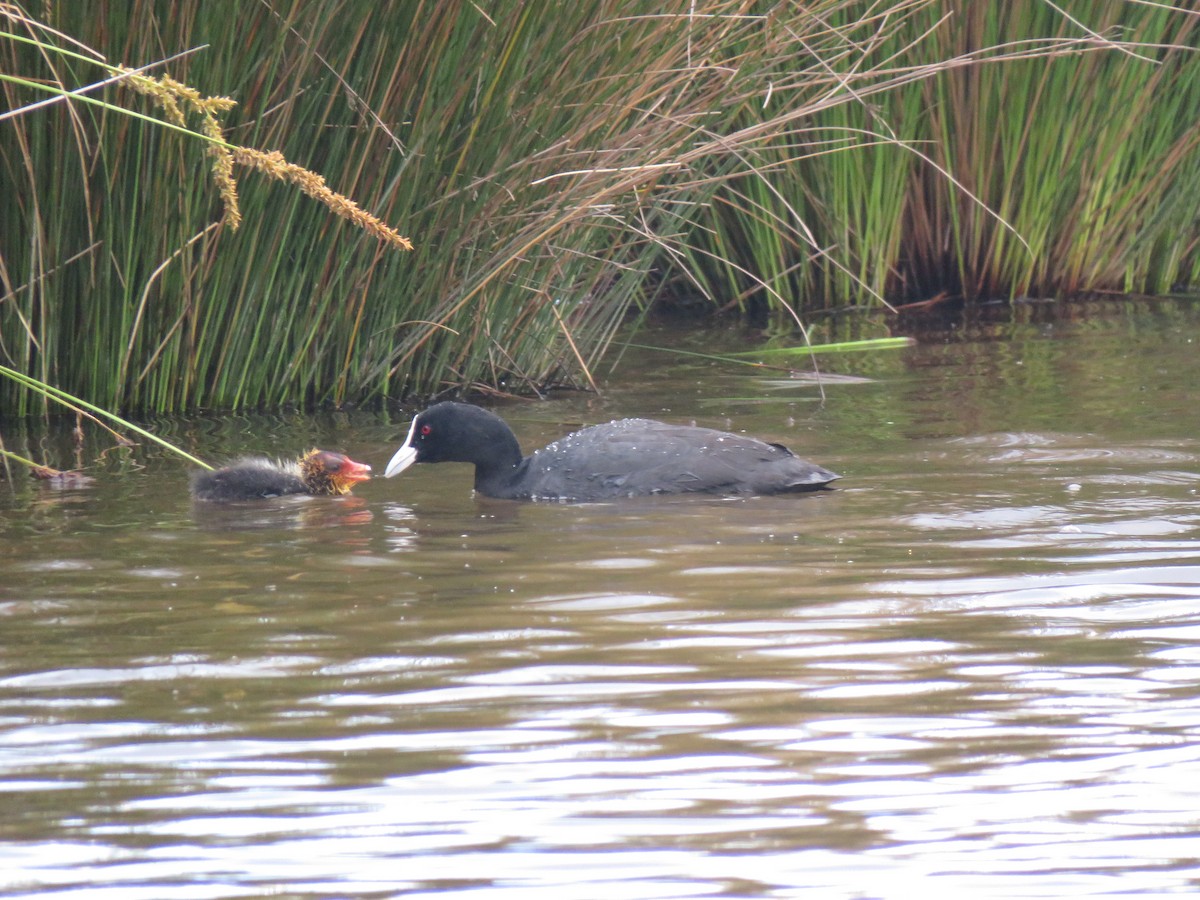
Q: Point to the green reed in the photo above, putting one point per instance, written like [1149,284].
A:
[998,150]
[526,152]
[84,409]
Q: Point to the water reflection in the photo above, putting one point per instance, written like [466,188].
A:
[284,512]
[972,669]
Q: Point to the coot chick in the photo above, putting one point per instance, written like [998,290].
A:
[626,458]
[318,472]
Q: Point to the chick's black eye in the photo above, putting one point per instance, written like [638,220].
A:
[425,430]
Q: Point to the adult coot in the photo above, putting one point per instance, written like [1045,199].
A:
[627,458]
[318,472]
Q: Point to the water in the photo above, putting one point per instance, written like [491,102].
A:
[974,669]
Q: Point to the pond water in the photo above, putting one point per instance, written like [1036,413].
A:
[973,669]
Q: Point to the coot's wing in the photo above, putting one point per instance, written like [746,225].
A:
[720,462]
[635,457]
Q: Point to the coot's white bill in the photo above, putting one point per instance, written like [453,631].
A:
[405,456]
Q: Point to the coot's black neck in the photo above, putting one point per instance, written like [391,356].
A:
[498,480]
[497,456]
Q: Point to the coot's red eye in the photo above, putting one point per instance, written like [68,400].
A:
[425,430]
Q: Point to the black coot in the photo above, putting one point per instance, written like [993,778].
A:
[627,458]
[318,472]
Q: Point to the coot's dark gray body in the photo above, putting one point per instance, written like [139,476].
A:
[626,458]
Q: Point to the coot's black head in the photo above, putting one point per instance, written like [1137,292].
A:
[457,432]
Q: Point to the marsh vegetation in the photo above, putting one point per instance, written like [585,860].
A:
[560,170]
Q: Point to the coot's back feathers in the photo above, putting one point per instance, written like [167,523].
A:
[318,472]
[626,458]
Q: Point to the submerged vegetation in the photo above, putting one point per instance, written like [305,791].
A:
[558,167]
